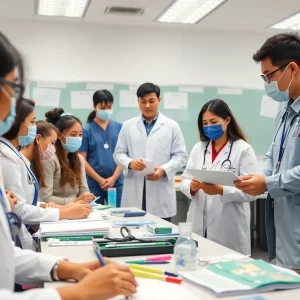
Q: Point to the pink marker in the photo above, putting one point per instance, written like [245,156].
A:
[158,258]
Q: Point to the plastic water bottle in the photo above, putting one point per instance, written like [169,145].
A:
[112,197]
[185,250]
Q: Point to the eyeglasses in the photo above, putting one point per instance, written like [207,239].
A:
[267,77]
[17,87]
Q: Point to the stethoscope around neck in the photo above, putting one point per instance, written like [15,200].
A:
[226,164]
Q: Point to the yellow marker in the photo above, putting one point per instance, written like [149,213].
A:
[151,270]
[142,274]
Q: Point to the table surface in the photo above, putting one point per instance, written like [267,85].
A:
[205,248]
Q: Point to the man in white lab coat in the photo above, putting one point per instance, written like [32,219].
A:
[153,137]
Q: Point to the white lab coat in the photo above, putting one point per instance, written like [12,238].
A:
[15,179]
[166,148]
[225,217]
[23,267]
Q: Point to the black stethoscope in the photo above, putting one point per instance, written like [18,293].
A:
[284,137]
[13,220]
[226,164]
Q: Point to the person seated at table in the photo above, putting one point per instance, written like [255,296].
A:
[19,179]
[220,213]
[64,172]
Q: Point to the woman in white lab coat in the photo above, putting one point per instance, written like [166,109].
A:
[25,186]
[27,267]
[220,213]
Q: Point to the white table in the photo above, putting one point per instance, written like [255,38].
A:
[205,248]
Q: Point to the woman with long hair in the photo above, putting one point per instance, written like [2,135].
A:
[220,213]
[64,173]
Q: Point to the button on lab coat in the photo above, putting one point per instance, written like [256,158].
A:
[284,187]
[166,148]
[15,177]
[23,267]
[226,217]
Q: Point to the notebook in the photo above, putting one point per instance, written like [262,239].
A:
[243,277]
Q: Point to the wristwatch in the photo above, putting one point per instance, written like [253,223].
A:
[53,272]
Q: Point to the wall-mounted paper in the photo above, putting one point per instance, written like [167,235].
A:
[128,98]
[46,97]
[230,91]
[191,89]
[175,100]
[100,86]
[268,107]
[46,84]
[82,99]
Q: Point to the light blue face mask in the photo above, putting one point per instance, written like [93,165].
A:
[8,123]
[72,144]
[275,93]
[104,114]
[25,140]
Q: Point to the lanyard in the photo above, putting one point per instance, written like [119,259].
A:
[284,138]
[105,137]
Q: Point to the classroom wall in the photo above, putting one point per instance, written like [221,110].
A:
[69,52]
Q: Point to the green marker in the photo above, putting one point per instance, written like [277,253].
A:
[136,245]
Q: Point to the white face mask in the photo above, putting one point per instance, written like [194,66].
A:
[275,93]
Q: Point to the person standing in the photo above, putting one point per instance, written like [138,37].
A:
[100,136]
[157,138]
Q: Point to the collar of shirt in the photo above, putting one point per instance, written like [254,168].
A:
[149,126]
[295,105]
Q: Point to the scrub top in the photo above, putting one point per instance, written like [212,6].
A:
[101,159]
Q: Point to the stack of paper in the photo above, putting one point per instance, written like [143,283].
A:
[239,277]
[95,227]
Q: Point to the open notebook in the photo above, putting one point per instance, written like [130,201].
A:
[243,277]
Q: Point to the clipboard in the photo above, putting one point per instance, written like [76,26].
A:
[226,178]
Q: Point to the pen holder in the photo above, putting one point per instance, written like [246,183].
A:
[112,197]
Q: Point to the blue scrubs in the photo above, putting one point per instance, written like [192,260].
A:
[101,159]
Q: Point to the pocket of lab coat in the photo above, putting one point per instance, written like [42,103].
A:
[293,150]
[296,223]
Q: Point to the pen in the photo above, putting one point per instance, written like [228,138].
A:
[135,245]
[152,270]
[103,263]
[143,262]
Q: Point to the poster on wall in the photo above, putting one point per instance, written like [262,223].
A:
[173,100]
[82,100]
[46,97]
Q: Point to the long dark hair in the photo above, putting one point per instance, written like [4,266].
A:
[70,172]
[43,128]
[23,109]
[9,58]
[222,110]
[102,96]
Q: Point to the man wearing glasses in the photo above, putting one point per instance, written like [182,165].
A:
[279,57]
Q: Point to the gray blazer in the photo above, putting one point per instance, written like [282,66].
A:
[53,192]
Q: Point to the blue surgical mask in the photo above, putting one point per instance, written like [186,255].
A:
[213,132]
[275,93]
[25,140]
[72,144]
[8,123]
[104,114]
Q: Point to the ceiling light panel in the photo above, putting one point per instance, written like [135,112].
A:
[291,23]
[189,11]
[62,8]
